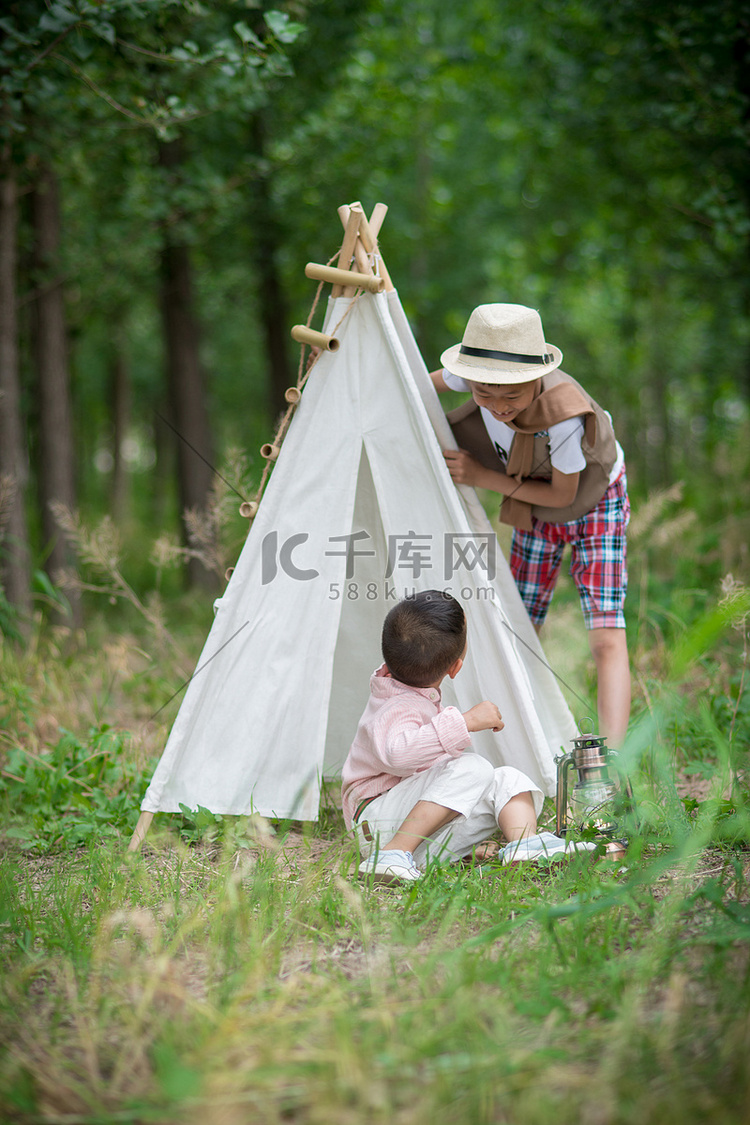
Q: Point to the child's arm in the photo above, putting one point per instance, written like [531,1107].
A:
[410,744]
[484,716]
[555,493]
[438,381]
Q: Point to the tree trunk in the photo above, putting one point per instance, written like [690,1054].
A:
[185,381]
[56,481]
[119,387]
[164,473]
[14,538]
[742,58]
[658,381]
[271,301]
[420,258]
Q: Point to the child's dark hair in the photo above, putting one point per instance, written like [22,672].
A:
[423,636]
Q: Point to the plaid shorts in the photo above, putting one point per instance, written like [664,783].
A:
[598,565]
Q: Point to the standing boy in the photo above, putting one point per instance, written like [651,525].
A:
[411,787]
[534,435]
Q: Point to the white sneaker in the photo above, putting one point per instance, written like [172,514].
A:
[390,867]
[543,846]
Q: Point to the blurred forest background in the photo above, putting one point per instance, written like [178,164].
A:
[168,167]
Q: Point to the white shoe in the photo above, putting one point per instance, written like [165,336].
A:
[390,867]
[543,846]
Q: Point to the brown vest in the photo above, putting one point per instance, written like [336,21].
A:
[560,397]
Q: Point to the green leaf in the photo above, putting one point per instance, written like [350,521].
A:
[282,27]
[19,834]
[246,35]
[177,1079]
[43,587]
[57,18]
[706,632]
[105,31]
[81,48]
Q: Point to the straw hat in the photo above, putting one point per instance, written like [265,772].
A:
[502,344]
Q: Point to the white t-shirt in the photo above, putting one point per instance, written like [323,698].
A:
[566,454]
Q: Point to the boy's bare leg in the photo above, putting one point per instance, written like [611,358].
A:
[423,821]
[609,647]
[517,818]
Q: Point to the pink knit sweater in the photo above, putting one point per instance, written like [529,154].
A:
[402,731]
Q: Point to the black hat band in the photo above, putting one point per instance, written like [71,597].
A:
[517,357]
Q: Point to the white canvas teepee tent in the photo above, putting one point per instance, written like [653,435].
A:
[359,511]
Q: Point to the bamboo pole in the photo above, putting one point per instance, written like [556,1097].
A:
[305,335]
[370,243]
[141,828]
[379,212]
[367,242]
[353,214]
[345,277]
[248,509]
[363,263]
[351,232]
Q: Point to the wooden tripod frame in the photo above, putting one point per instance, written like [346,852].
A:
[360,265]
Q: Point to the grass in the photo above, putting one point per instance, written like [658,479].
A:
[236,971]
[263,983]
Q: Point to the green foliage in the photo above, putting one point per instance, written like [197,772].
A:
[163,62]
[589,160]
[44,590]
[266,980]
[78,791]
[9,622]
[240,963]
[529,153]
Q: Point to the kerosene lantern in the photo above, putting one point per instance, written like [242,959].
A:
[597,800]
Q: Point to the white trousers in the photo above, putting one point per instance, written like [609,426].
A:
[469,784]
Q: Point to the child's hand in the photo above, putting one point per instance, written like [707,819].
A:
[485,716]
[463,468]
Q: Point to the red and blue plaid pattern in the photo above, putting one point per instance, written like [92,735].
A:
[598,565]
